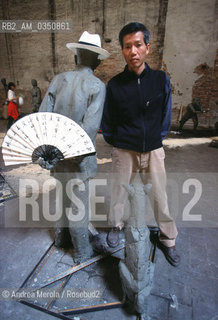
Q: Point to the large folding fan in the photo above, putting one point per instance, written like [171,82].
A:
[44,135]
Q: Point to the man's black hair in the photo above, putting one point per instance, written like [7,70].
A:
[11,84]
[134,27]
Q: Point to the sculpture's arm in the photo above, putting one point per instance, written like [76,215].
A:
[47,105]
[191,108]
[39,99]
[92,118]
[48,102]
[31,97]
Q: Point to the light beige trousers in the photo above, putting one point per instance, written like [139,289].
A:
[125,165]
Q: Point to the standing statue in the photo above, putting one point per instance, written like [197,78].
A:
[35,96]
[136,270]
[80,96]
[191,113]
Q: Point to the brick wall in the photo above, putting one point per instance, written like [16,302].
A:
[40,56]
[206,88]
[26,56]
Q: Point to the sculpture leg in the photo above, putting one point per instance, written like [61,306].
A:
[136,271]
[73,197]
[78,223]
[35,108]
[62,234]
[185,118]
[195,121]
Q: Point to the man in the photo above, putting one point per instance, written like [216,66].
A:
[136,118]
[35,96]
[191,113]
[80,96]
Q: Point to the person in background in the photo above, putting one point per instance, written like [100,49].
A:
[13,113]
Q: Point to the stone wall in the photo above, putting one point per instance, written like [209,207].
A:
[182,38]
[190,51]
[206,88]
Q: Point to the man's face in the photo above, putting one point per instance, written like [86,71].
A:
[135,51]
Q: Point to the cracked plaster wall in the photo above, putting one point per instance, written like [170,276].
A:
[190,41]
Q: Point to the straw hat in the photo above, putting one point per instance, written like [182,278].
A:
[90,42]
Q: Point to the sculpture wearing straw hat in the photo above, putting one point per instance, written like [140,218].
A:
[91,42]
[80,96]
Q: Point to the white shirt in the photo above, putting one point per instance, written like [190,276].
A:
[11,95]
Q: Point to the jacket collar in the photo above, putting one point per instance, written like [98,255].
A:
[132,75]
[80,67]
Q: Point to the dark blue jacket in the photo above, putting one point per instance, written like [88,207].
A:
[137,111]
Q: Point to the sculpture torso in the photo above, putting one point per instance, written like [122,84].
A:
[70,93]
[79,95]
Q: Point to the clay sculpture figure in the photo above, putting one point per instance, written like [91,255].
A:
[136,270]
[80,96]
[35,96]
[191,113]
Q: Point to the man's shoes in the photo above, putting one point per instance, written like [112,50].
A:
[170,254]
[113,237]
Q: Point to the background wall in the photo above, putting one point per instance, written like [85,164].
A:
[190,51]
[183,42]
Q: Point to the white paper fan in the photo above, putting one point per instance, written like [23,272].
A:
[46,135]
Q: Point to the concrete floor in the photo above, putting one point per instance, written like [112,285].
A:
[194,283]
